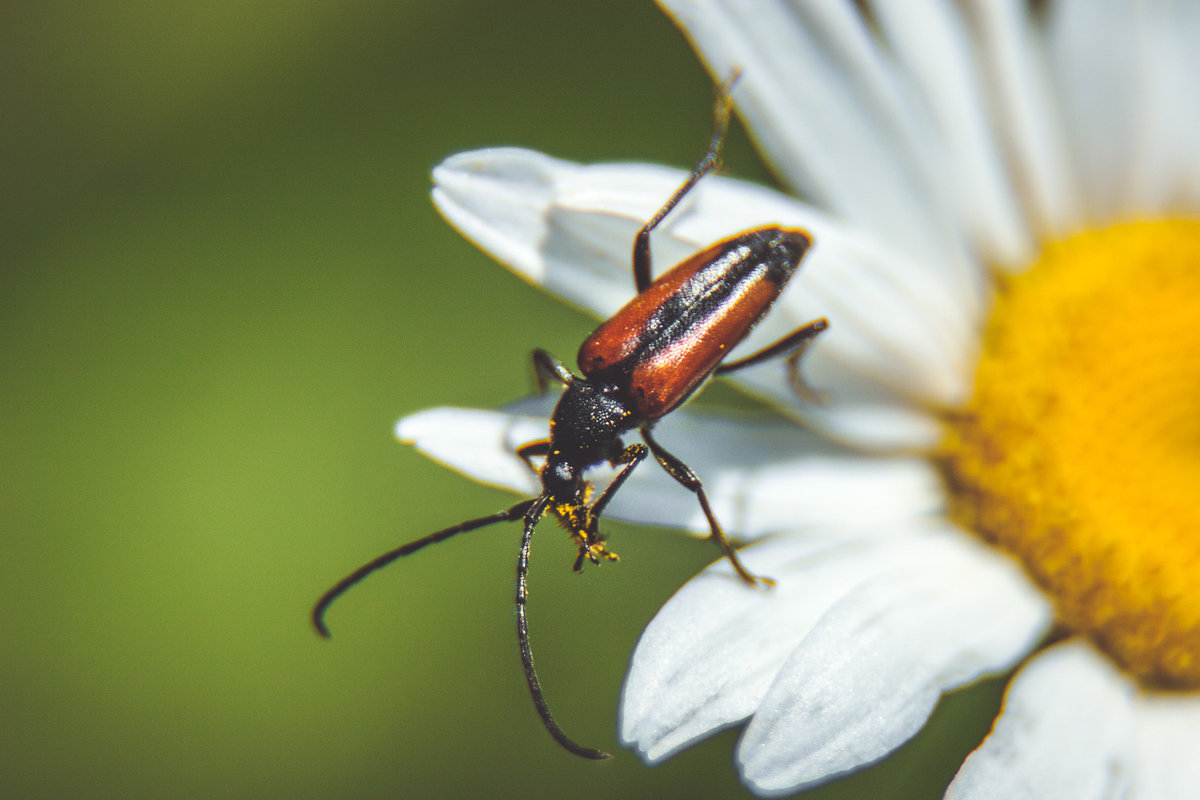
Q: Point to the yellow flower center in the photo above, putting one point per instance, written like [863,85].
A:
[1080,450]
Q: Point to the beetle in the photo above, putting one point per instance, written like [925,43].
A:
[637,367]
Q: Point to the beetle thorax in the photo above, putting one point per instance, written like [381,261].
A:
[585,429]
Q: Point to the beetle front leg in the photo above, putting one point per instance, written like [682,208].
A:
[546,367]
[591,543]
[631,456]
[531,450]
[687,478]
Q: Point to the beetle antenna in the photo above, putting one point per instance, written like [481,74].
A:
[339,588]
[533,513]
[722,111]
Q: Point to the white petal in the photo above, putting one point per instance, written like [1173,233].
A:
[764,476]
[899,338]
[1167,122]
[1183,106]
[876,427]
[713,653]
[1096,57]
[709,655]
[1065,731]
[1026,113]
[507,201]
[863,681]
[481,444]
[835,119]
[761,476]
[930,39]
[1168,739]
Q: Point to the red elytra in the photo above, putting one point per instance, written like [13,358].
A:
[665,342]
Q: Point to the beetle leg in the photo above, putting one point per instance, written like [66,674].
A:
[547,367]
[531,450]
[712,159]
[587,533]
[687,478]
[631,456]
[791,347]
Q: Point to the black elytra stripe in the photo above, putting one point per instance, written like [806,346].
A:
[746,261]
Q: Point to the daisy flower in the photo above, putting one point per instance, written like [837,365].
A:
[1002,198]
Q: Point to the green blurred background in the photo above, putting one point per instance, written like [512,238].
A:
[223,283]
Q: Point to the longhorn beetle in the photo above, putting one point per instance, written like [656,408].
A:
[645,361]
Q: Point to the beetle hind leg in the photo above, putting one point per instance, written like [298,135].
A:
[687,478]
